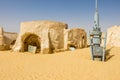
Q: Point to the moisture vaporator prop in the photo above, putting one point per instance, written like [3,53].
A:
[97,51]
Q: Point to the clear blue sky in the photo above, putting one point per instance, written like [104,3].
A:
[76,13]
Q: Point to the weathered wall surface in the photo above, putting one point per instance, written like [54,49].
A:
[50,34]
[10,37]
[1,36]
[2,46]
[113,36]
[56,37]
[76,38]
[7,39]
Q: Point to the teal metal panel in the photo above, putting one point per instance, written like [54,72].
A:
[32,49]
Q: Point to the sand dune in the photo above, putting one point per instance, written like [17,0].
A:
[69,65]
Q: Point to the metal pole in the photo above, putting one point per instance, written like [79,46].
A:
[96,4]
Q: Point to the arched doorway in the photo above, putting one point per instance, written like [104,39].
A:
[32,40]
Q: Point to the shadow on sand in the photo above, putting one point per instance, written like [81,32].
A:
[108,55]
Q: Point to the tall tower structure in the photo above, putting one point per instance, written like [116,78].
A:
[97,51]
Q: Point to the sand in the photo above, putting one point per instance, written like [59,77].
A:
[69,65]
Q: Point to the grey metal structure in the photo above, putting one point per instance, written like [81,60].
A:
[97,51]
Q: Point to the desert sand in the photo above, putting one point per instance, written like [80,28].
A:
[68,65]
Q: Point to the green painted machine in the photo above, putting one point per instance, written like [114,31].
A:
[97,51]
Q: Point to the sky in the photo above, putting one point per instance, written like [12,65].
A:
[76,13]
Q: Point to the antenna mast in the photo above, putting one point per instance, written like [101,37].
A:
[96,5]
[96,17]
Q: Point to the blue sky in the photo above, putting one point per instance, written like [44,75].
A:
[76,13]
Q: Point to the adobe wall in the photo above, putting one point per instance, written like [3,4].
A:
[49,32]
[75,37]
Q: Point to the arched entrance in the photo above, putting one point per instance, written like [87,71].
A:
[31,40]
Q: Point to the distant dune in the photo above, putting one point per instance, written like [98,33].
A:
[69,65]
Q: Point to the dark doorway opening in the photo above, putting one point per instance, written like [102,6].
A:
[32,40]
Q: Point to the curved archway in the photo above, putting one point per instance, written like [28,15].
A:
[33,40]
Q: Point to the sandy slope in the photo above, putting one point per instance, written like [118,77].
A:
[69,65]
